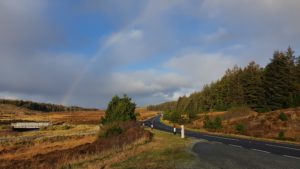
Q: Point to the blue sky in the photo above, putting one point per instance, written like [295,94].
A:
[84,52]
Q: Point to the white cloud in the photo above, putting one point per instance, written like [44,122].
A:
[219,35]
[146,82]
[145,31]
[200,68]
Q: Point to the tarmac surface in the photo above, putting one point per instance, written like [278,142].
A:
[218,152]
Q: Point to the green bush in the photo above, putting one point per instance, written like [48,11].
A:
[110,130]
[281,135]
[215,124]
[173,116]
[240,128]
[66,127]
[282,117]
[119,109]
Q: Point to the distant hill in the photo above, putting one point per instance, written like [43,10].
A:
[44,107]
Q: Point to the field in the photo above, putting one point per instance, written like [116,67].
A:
[144,114]
[70,132]
[10,113]
[261,125]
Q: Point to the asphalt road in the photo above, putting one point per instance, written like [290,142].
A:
[212,155]
[284,150]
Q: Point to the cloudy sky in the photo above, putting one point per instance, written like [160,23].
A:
[84,52]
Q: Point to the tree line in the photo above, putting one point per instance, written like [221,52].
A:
[275,86]
[44,107]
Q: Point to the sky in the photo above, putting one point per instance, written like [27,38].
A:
[76,52]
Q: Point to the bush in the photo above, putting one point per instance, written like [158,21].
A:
[209,124]
[174,117]
[166,115]
[240,128]
[281,135]
[217,123]
[110,130]
[119,109]
[282,117]
[65,127]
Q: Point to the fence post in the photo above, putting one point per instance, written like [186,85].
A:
[182,131]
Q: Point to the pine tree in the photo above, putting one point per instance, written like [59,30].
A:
[253,87]
[297,82]
[277,82]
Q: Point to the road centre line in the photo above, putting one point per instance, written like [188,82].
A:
[222,137]
[260,150]
[291,157]
[283,147]
[235,145]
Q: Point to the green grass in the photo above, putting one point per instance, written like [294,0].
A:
[165,151]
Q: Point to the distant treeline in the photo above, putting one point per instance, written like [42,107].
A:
[274,87]
[44,107]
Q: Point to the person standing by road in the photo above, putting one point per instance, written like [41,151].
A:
[152,126]
[174,129]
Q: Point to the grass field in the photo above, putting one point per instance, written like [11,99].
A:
[69,131]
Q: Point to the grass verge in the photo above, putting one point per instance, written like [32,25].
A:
[165,151]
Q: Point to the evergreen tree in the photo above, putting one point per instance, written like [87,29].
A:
[119,109]
[297,82]
[278,82]
[274,87]
[253,87]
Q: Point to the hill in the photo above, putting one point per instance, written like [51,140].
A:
[269,125]
[44,107]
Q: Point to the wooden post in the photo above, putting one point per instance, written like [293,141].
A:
[182,131]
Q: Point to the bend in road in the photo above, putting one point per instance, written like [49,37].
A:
[287,150]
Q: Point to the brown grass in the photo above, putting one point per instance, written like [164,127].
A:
[54,159]
[10,113]
[43,147]
[164,151]
[260,125]
[145,114]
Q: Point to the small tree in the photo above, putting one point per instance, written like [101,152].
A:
[281,135]
[240,128]
[206,121]
[282,116]
[212,124]
[218,123]
[119,109]
[175,117]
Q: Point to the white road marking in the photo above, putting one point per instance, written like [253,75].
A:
[235,145]
[291,157]
[283,147]
[260,150]
[222,137]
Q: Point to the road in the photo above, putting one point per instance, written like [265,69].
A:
[285,151]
